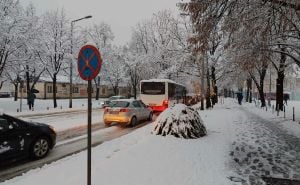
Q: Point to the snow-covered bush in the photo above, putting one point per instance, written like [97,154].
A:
[180,121]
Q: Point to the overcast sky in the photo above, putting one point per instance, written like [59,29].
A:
[122,15]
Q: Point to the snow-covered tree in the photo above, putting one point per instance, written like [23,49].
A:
[114,69]
[102,35]
[180,121]
[161,43]
[13,27]
[54,45]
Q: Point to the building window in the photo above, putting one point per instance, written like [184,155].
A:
[103,91]
[75,90]
[49,89]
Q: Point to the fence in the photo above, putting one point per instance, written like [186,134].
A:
[291,110]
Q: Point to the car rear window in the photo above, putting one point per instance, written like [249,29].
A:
[121,104]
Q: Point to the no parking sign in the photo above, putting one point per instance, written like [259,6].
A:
[89,62]
[89,65]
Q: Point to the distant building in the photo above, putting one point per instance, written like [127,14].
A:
[291,86]
[45,88]
[6,90]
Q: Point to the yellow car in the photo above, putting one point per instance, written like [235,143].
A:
[127,112]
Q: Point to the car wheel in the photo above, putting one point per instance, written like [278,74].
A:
[150,116]
[40,148]
[133,121]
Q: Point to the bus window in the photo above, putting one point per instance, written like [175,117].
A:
[153,88]
[171,91]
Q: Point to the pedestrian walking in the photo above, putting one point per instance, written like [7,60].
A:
[285,98]
[240,97]
[31,98]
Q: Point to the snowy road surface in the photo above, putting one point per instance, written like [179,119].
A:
[243,144]
[65,120]
[66,148]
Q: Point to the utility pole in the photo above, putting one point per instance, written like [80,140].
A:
[71,59]
[71,67]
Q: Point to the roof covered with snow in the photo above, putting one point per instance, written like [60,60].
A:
[161,80]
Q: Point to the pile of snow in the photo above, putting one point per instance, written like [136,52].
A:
[180,121]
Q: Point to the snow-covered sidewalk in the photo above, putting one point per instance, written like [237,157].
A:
[144,158]
[8,105]
[266,147]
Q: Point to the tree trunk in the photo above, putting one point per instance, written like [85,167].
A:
[16,91]
[27,83]
[134,91]
[247,92]
[214,85]
[261,88]
[115,88]
[248,95]
[250,89]
[262,96]
[260,85]
[97,93]
[279,82]
[208,103]
[97,83]
[202,103]
[54,91]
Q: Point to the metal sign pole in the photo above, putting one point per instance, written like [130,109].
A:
[89,65]
[89,131]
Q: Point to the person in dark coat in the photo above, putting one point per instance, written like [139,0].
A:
[31,98]
[285,98]
[240,97]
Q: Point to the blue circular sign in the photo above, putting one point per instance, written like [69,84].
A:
[89,62]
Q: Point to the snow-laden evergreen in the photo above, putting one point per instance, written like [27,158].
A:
[180,121]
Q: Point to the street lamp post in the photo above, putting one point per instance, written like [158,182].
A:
[71,60]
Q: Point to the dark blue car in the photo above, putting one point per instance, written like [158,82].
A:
[19,139]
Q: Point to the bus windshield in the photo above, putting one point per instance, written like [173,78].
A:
[153,88]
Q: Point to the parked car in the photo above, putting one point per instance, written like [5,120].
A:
[127,112]
[106,103]
[19,139]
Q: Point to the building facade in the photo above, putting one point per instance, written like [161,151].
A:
[45,90]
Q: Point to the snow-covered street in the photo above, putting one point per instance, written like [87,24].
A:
[241,146]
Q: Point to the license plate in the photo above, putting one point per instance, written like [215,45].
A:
[114,112]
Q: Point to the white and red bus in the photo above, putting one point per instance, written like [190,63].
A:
[159,94]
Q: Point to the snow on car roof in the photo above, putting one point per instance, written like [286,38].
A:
[128,100]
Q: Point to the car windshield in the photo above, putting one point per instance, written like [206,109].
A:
[121,104]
